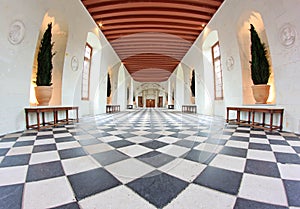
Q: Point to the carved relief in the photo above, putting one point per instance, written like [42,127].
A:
[288,35]
[16,32]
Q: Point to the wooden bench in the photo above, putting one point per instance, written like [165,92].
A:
[112,108]
[51,109]
[251,111]
[189,108]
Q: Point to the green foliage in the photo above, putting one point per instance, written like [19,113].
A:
[108,86]
[44,69]
[260,67]
[193,83]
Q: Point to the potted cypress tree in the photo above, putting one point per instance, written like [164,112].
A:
[43,89]
[193,87]
[260,68]
[108,90]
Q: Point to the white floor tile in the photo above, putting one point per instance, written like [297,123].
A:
[20,150]
[44,141]
[289,171]
[83,137]
[13,175]
[119,197]
[174,150]
[47,193]
[42,157]
[229,163]
[109,138]
[259,140]
[294,143]
[184,169]
[134,150]
[263,189]
[168,139]
[213,148]
[42,133]
[79,164]
[138,139]
[67,145]
[261,155]
[238,144]
[282,148]
[241,134]
[26,138]
[96,148]
[62,135]
[6,144]
[129,170]
[195,196]
[196,138]
[275,137]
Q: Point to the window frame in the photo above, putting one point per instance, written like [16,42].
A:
[89,60]
[214,60]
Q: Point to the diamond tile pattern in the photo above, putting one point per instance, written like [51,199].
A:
[154,158]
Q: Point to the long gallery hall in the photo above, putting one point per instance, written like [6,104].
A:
[149,104]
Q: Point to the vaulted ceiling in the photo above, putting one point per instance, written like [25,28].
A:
[151,36]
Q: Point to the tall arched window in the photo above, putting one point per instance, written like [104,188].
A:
[85,84]
[218,80]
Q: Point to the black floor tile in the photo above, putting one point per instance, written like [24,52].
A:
[125,135]
[152,136]
[216,141]
[44,171]
[15,160]
[60,132]
[158,188]
[65,139]
[287,158]
[73,205]
[11,196]
[292,138]
[3,151]
[259,146]
[250,204]
[30,134]
[234,151]
[104,134]
[156,159]
[24,143]
[179,135]
[92,182]
[200,156]
[187,143]
[292,189]
[154,144]
[220,179]
[264,168]
[44,148]
[120,143]
[278,142]
[239,138]
[262,136]
[49,136]
[86,142]
[9,139]
[297,149]
[109,157]
[71,153]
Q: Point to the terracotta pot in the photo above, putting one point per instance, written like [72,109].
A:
[261,93]
[43,95]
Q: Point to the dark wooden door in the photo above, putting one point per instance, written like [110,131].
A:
[150,103]
[140,101]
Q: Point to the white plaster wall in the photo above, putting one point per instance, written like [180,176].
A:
[16,61]
[285,61]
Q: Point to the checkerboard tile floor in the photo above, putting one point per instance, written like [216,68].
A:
[150,158]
